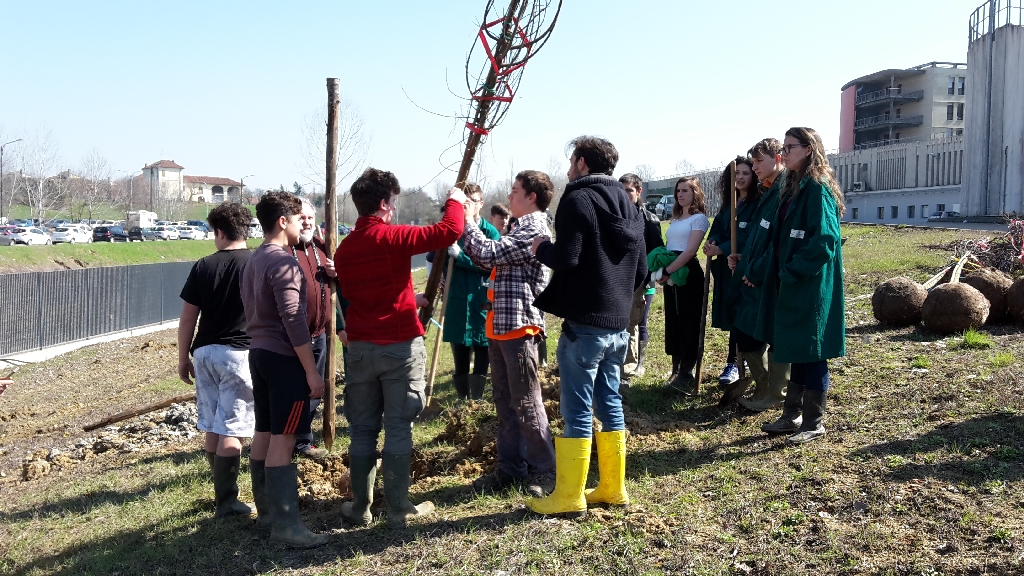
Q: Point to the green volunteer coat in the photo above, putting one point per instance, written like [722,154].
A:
[465,318]
[721,234]
[744,313]
[810,311]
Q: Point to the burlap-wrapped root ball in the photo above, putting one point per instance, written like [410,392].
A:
[953,308]
[993,284]
[898,302]
[1015,300]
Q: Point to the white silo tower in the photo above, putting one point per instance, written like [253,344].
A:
[994,122]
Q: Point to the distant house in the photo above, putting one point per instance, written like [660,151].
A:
[168,177]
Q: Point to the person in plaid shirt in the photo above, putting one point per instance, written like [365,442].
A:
[514,329]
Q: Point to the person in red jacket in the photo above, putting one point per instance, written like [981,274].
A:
[385,355]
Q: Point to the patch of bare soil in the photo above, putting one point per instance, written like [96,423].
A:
[48,403]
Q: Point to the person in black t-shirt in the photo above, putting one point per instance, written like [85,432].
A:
[220,352]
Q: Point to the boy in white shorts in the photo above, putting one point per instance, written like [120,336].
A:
[220,352]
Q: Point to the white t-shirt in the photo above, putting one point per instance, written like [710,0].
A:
[677,237]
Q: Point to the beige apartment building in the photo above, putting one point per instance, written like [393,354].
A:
[901,105]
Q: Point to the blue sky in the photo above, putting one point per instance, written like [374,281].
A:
[223,87]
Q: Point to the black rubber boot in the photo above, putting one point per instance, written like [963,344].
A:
[675,370]
[477,383]
[396,491]
[283,496]
[685,381]
[363,472]
[225,487]
[461,384]
[790,420]
[259,492]
[209,459]
[814,412]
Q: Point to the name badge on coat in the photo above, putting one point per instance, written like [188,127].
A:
[742,224]
[765,224]
[796,233]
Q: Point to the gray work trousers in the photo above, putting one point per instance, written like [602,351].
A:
[384,387]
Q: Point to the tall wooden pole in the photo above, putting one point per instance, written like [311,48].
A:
[331,239]
[732,195]
[483,108]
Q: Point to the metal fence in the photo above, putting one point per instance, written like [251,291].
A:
[43,309]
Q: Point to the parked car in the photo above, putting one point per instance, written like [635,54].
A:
[651,201]
[109,234]
[139,234]
[72,234]
[5,231]
[663,209]
[165,233]
[943,216]
[190,233]
[255,230]
[27,236]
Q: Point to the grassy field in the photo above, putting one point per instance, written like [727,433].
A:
[921,473]
[195,211]
[62,256]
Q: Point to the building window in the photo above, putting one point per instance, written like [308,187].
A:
[881,212]
[949,111]
[960,86]
[951,89]
[895,210]
[896,136]
[910,211]
[856,213]
[899,88]
[940,207]
[899,112]
[924,210]
[960,111]
[959,131]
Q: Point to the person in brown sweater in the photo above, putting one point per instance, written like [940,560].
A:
[284,372]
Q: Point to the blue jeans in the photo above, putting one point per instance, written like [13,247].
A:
[589,364]
[813,375]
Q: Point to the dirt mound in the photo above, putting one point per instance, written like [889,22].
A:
[153,430]
[323,479]
[898,302]
[1015,300]
[994,285]
[953,308]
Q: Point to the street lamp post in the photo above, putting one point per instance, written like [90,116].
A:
[242,189]
[2,177]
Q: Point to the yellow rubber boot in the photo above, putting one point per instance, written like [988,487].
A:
[611,462]
[572,461]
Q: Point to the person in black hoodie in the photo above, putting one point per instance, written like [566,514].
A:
[597,263]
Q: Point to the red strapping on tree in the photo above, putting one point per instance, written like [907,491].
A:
[477,129]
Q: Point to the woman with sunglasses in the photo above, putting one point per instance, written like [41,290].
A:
[807,268]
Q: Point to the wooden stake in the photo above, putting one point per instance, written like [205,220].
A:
[703,325]
[331,240]
[732,236]
[440,331]
[732,221]
[140,411]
